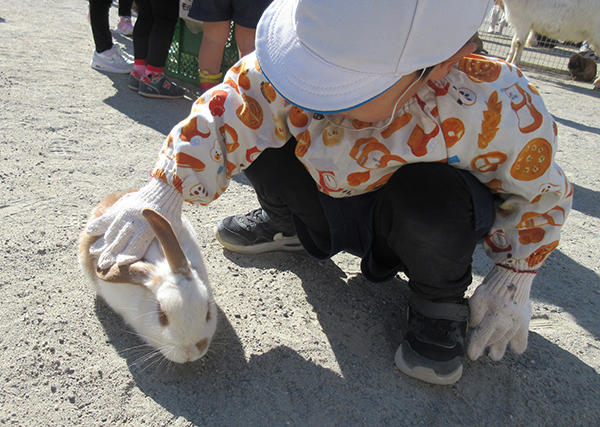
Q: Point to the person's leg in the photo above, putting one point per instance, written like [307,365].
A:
[165,14]
[210,56]
[244,38]
[106,57]
[214,37]
[156,34]
[284,187]
[424,220]
[125,7]
[141,31]
[99,10]
[246,14]
[427,222]
[124,26]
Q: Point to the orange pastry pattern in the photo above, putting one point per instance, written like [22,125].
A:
[484,117]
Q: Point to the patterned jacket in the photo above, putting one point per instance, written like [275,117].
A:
[485,117]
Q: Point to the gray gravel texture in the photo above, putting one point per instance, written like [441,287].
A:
[300,342]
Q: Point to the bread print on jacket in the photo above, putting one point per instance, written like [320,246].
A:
[491,121]
[250,112]
[229,81]
[252,154]
[298,117]
[533,161]
[198,193]
[184,160]
[453,130]
[327,182]
[530,119]
[398,123]
[303,143]
[216,104]
[190,133]
[230,136]
[498,242]
[216,154]
[369,153]
[555,216]
[531,236]
[466,96]
[479,69]
[488,162]
[540,254]
[281,132]
[268,91]
[418,140]
[332,135]
[243,80]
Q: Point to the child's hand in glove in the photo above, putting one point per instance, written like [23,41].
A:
[125,233]
[501,311]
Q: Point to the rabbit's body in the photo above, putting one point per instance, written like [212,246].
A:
[582,68]
[173,311]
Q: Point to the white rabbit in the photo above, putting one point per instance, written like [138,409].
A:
[166,296]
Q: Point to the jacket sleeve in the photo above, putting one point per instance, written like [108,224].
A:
[227,129]
[514,155]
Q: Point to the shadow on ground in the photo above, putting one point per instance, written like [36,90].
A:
[363,323]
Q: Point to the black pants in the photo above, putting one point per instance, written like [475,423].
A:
[426,221]
[154,29]
[99,10]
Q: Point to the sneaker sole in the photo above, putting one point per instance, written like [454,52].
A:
[288,245]
[426,374]
[110,70]
[157,95]
[120,31]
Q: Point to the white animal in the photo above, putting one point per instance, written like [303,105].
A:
[567,20]
[166,296]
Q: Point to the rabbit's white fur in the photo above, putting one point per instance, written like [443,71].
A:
[186,299]
[566,20]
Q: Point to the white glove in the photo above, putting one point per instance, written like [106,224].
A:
[501,311]
[125,233]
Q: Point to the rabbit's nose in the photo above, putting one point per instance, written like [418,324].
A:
[190,353]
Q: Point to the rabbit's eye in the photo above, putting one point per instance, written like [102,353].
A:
[162,316]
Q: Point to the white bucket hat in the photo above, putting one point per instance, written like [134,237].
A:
[333,55]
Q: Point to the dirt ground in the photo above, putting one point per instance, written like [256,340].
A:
[299,342]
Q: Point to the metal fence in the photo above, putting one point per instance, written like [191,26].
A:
[551,55]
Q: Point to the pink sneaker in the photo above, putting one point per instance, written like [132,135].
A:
[125,26]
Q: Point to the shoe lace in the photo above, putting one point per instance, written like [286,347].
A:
[438,329]
[122,52]
[257,216]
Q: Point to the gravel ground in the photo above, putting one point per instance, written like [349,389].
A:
[300,342]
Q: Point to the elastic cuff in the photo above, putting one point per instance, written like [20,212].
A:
[506,281]
[163,197]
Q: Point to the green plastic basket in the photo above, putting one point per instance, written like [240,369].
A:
[182,61]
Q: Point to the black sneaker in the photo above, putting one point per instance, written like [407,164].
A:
[251,233]
[158,86]
[434,343]
[134,80]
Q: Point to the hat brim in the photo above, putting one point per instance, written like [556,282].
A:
[303,78]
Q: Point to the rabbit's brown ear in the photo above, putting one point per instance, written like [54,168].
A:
[168,240]
[137,273]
